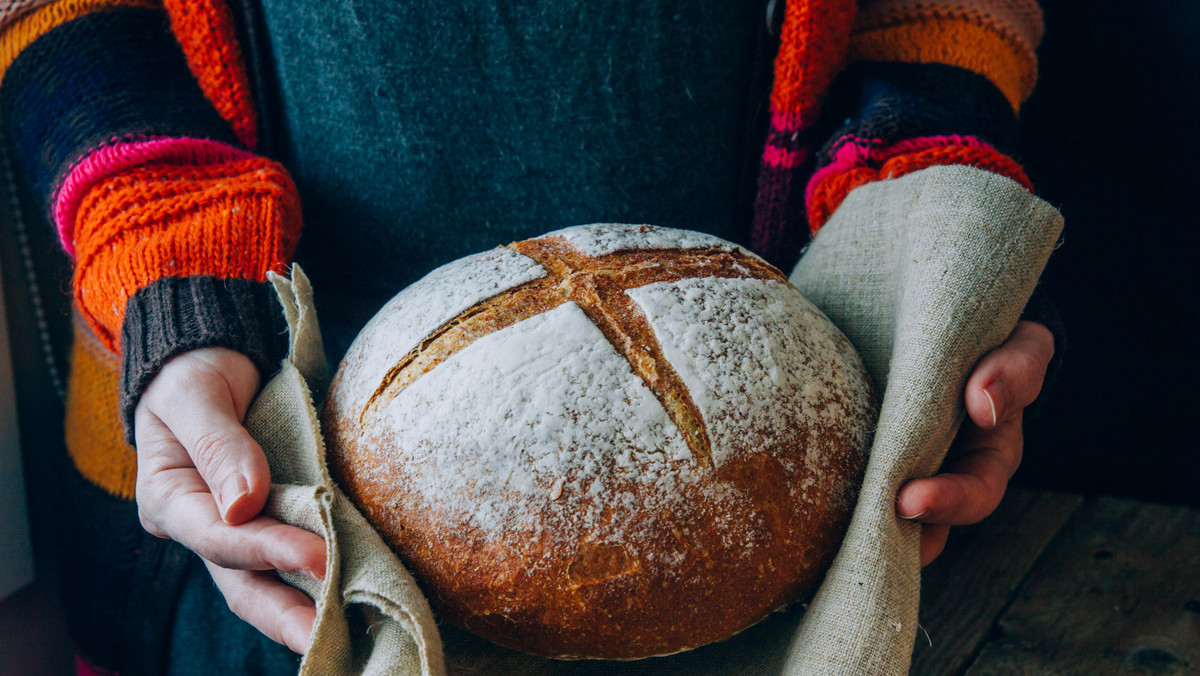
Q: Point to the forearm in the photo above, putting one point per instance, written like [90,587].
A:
[172,220]
[927,85]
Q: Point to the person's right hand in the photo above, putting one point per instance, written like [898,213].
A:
[202,481]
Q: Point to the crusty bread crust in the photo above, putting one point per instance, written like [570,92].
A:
[648,553]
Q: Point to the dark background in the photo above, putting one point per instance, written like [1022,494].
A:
[1113,139]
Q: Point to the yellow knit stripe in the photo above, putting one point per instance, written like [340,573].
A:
[1019,19]
[971,42]
[11,10]
[21,33]
[95,439]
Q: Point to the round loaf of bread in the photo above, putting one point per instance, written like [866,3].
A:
[607,442]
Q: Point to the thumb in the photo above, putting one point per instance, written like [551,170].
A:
[201,398]
[1010,377]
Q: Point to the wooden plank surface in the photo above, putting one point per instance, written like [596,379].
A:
[1118,592]
[976,577]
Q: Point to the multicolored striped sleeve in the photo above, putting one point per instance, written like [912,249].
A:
[812,49]
[133,124]
[928,83]
[908,84]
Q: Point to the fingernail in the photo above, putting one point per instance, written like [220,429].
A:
[231,491]
[907,512]
[992,403]
[995,395]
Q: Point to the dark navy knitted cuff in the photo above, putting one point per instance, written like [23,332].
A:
[177,314]
[877,104]
[103,77]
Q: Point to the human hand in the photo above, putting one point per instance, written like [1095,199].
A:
[202,481]
[988,448]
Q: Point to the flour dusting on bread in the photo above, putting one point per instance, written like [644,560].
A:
[434,300]
[605,238]
[613,441]
[547,402]
[752,353]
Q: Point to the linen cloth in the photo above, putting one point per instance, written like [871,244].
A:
[924,274]
[371,617]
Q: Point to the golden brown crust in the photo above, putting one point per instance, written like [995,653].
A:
[739,543]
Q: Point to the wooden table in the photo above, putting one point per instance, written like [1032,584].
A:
[1049,584]
[1060,584]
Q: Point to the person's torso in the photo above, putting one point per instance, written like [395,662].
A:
[422,131]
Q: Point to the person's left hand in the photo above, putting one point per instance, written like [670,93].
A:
[987,450]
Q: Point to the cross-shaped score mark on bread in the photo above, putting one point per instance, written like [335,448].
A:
[597,285]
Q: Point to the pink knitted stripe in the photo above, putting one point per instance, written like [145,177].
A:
[774,156]
[855,153]
[786,122]
[122,155]
[85,668]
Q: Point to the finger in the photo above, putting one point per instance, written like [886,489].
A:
[1010,377]
[174,502]
[196,402]
[282,613]
[163,470]
[972,485]
[188,516]
[933,541]
[262,543]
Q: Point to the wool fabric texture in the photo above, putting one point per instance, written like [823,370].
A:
[952,41]
[102,77]
[235,220]
[902,117]
[1019,19]
[128,121]
[811,53]
[128,155]
[855,167]
[16,35]
[990,40]
[817,37]
[881,104]
[245,319]
[506,120]
[208,35]
[206,638]
[11,10]
[122,581]
[996,38]
[94,434]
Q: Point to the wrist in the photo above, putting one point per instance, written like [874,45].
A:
[182,314]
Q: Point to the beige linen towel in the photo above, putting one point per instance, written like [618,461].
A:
[371,617]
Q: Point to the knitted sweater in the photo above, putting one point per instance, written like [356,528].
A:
[135,124]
